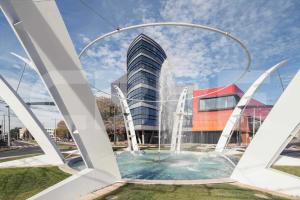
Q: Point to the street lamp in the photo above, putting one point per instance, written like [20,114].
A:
[8,134]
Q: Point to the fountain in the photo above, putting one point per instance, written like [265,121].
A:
[167,87]
[128,121]
[165,164]
[183,166]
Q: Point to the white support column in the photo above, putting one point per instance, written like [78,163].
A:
[41,30]
[278,129]
[235,115]
[35,127]
[128,121]
[178,121]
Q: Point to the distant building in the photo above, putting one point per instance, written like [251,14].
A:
[24,134]
[144,60]
[50,132]
[2,137]
[212,111]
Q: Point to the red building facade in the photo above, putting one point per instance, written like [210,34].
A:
[212,108]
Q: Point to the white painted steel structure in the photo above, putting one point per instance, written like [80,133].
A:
[128,121]
[178,122]
[278,129]
[235,115]
[43,35]
[41,30]
[177,24]
[25,60]
[35,127]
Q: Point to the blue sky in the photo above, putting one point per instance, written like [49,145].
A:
[270,29]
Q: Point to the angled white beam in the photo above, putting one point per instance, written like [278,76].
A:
[128,121]
[25,60]
[178,121]
[235,115]
[278,129]
[41,30]
[35,127]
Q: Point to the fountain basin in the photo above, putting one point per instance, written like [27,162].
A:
[150,165]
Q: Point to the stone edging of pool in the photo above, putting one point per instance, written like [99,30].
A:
[68,167]
[108,189]
[122,182]
[179,182]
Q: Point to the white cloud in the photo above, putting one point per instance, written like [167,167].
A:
[266,27]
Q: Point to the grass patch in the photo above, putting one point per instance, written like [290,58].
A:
[66,155]
[22,183]
[118,148]
[66,147]
[19,157]
[295,170]
[183,192]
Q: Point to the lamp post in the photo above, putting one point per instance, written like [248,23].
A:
[8,134]
[4,127]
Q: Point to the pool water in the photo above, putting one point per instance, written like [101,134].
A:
[151,165]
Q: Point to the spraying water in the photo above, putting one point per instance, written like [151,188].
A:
[167,90]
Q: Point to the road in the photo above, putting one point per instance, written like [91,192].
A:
[24,149]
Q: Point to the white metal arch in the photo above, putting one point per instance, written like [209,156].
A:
[278,129]
[178,121]
[25,60]
[131,137]
[235,115]
[35,127]
[182,24]
[43,35]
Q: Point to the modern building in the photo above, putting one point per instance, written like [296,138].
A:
[24,134]
[206,114]
[211,111]
[50,132]
[144,60]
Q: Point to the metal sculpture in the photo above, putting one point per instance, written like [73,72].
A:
[235,115]
[278,129]
[178,121]
[128,121]
[35,127]
[41,30]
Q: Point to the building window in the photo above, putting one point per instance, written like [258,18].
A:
[217,103]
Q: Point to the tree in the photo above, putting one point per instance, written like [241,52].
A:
[112,117]
[14,132]
[106,107]
[62,131]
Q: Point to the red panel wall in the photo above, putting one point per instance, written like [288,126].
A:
[212,120]
[216,120]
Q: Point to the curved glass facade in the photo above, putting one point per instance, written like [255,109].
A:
[144,60]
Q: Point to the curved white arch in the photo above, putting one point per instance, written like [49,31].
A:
[25,60]
[40,29]
[198,26]
[178,121]
[235,115]
[278,129]
[35,127]
[131,137]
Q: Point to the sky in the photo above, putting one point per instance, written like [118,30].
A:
[269,29]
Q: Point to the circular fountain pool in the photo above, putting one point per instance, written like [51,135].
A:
[151,165]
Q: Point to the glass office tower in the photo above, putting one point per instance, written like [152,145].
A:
[144,60]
